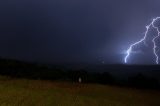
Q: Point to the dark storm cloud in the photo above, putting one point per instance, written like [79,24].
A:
[72,30]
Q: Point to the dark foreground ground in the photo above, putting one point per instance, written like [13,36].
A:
[23,92]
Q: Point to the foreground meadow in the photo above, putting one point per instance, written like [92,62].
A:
[22,92]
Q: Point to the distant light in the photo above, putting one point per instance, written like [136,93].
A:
[80,80]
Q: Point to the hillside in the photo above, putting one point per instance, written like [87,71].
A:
[21,92]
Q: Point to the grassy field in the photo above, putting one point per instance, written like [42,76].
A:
[21,92]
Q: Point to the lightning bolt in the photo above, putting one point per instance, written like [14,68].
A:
[151,25]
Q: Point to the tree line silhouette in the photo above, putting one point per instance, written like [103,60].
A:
[19,69]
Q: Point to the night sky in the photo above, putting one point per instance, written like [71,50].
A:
[75,31]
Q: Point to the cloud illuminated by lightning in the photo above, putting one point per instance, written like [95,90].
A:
[151,25]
